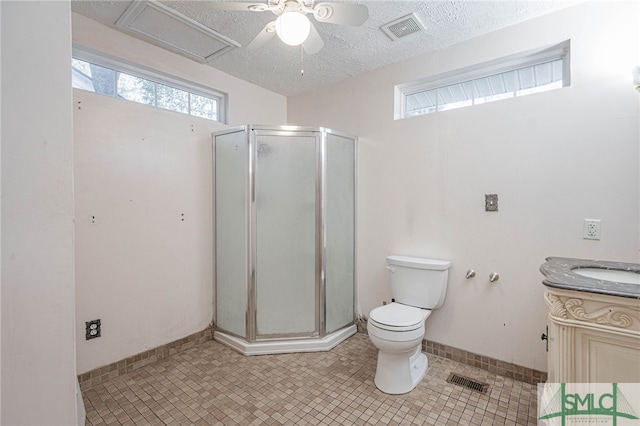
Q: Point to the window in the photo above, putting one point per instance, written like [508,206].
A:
[518,75]
[99,73]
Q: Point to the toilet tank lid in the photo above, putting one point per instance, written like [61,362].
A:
[418,262]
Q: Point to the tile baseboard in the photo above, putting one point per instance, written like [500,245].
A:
[506,369]
[135,362]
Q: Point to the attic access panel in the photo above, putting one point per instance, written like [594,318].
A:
[167,28]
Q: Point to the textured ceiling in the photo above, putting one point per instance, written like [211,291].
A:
[348,50]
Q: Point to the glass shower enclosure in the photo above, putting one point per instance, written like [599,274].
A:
[285,206]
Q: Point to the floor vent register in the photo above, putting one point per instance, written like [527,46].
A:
[468,383]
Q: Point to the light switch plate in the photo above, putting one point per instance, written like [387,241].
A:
[491,202]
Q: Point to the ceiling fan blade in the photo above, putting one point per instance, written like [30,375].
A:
[263,36]
[237,5]
[313,44]
[341,13]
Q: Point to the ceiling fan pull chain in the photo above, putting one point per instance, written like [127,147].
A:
[302,59]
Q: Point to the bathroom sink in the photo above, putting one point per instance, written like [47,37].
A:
[614,275]
[593,276]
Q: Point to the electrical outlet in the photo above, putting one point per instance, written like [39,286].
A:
[591,229]
[92,329]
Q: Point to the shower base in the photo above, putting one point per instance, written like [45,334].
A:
[269,347]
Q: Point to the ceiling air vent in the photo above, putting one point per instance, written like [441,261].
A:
[402,27]
[165,27]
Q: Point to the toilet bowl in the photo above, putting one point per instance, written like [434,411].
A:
[397,329]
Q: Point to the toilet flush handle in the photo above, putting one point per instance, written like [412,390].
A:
[391,269]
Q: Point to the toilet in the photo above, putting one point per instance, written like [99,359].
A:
[418,286]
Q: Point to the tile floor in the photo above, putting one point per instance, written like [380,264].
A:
[213,385]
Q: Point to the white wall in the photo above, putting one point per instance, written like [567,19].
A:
[140,268]
[38,351]
[553,158]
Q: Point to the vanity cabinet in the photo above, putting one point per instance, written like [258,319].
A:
[593,324]
[592,338]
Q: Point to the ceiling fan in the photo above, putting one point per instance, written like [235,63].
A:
[292,25]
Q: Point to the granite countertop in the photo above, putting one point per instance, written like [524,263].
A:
[558,273]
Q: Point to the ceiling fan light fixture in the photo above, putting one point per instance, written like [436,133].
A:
[293,28]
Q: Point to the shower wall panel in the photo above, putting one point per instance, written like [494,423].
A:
[231,247]
[339,231]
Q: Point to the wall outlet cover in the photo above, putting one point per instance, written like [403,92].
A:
[591,229]
[92,329]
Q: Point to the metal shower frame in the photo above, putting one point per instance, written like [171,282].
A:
[320,134]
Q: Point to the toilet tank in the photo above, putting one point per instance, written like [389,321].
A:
[418,282]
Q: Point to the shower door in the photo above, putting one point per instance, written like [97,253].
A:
[286,266]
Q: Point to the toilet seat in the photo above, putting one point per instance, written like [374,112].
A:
[398,317]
